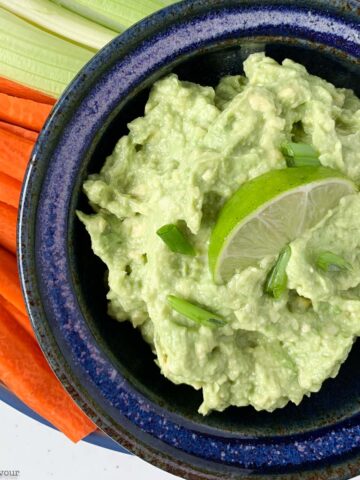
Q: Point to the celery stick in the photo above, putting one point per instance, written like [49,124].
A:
[61,21]
[36,58]
[115,14]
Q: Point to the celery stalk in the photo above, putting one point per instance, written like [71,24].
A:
[60,21]
[36,58]
[114,14]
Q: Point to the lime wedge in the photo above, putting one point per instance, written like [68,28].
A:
[268,212]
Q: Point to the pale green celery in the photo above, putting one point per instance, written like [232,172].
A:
[60,21]
[115,14]
[36,58]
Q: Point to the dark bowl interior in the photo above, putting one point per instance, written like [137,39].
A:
[339,398]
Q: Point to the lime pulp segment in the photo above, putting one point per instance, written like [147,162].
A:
[268,212]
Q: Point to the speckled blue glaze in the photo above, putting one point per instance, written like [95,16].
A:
[142,426]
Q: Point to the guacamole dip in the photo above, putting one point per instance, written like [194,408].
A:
[180,162]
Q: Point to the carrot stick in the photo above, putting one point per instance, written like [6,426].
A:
[26,373]
[22,132]
[22,112]
[8,219]
[15,152]
[20,317]
[17,90]
[10,190]
[9,281]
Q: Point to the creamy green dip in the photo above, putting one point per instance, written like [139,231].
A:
[192,149]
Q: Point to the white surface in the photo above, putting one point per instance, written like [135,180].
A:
[41,453]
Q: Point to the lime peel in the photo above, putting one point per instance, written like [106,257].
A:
[268,212]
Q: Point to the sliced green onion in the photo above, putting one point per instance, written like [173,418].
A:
[302,162]
[276,281]
[292,149]
[173,237]
[300,155]
[331,262]
[195,313]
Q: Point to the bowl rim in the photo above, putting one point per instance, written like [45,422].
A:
[34,232]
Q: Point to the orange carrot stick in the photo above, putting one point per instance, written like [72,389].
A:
[22,112]
[14,154]
[9,281]
[22,132]
[26,373]
[10,190]
[17,90]
[20,317]
[8,219]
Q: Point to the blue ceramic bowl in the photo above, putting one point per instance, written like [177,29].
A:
[105,365]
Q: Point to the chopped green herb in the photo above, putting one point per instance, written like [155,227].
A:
[195,313]
[300,155]
[276,281]
[331,262]
[292,149]
[173,237]
[302,162]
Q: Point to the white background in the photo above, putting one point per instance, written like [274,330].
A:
[41,453]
